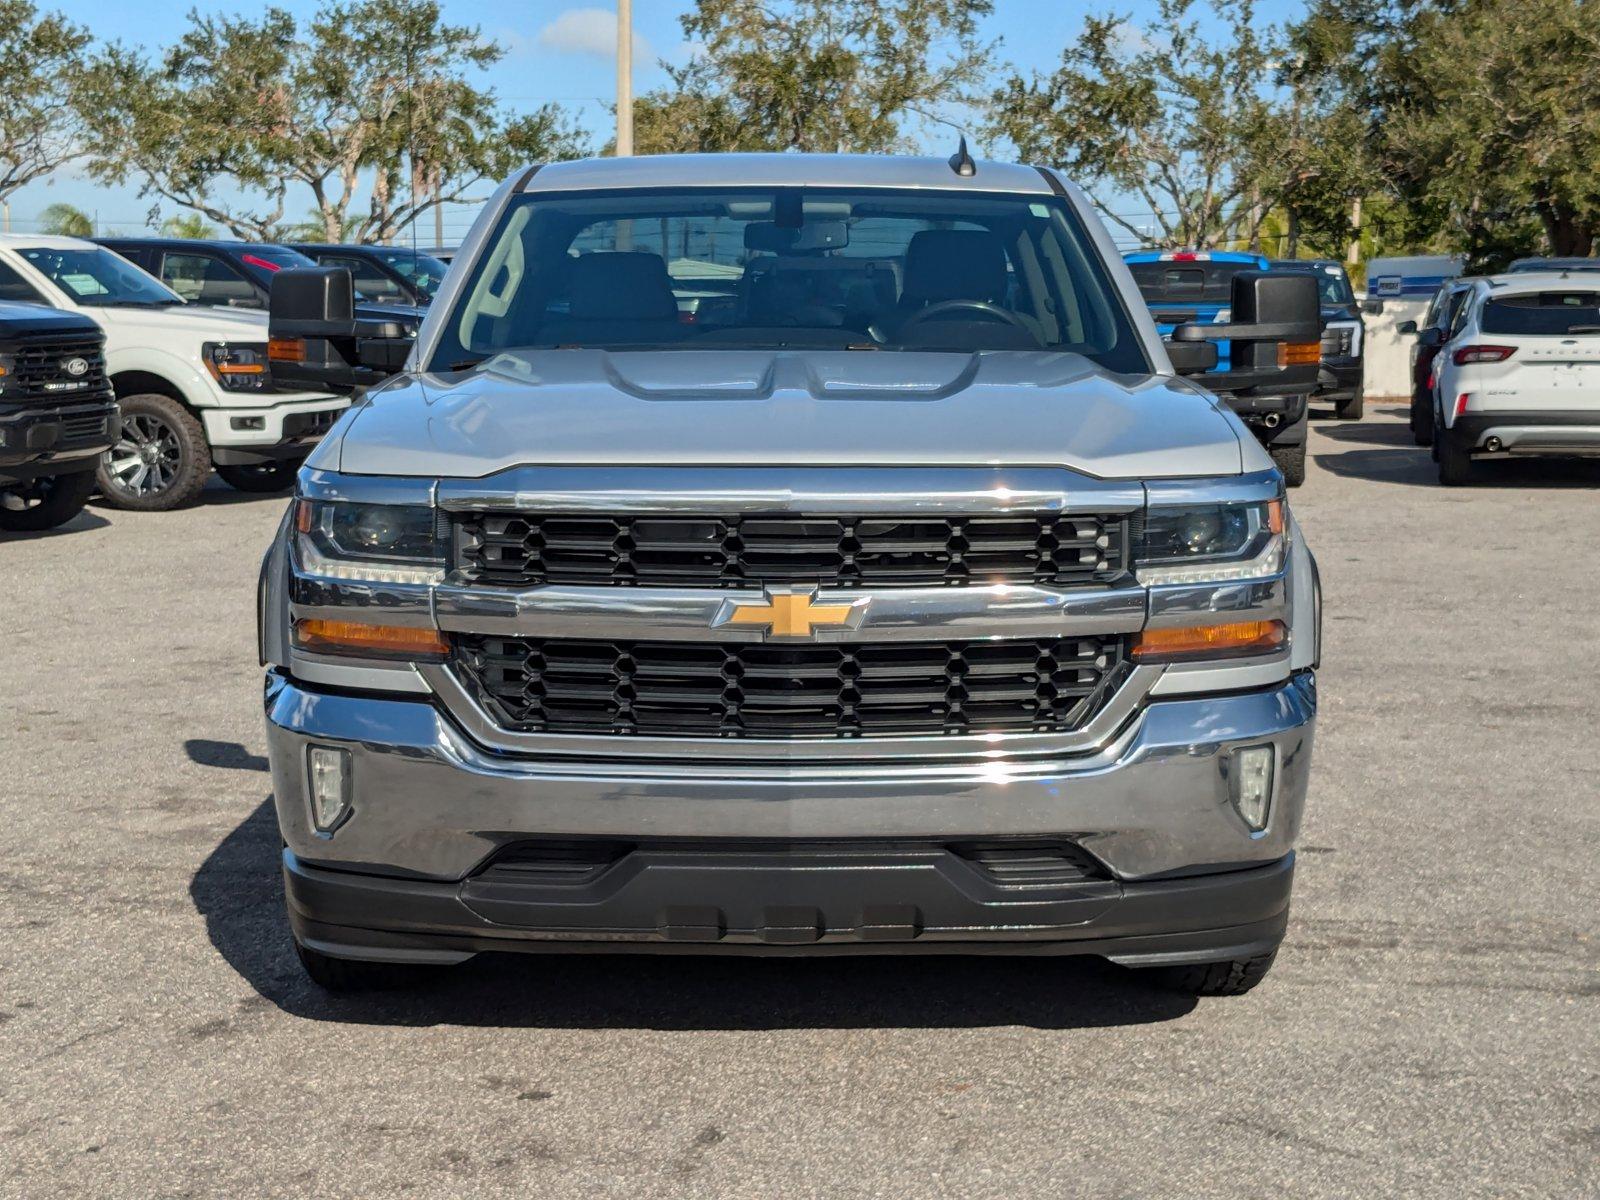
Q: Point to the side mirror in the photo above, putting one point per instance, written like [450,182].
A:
[1275,336]
[314,341]
[1432,337]
[1406,328]
[1372,306]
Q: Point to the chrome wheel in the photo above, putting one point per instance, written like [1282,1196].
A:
[147,459]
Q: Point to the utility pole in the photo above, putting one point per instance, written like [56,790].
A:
[624,78]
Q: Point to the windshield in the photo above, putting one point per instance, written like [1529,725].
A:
[1549,314]
[809,268]
[1187,281]
[99,278]
[421,271]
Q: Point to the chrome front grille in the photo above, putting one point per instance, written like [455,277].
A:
[768,690]
[753,550]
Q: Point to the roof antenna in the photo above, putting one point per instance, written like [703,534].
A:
[961,162]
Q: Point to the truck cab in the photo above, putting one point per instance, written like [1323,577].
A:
[57,414]
[789,554]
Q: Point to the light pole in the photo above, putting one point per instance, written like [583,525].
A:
[624,78]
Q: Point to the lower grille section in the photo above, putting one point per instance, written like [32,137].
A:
[776,691]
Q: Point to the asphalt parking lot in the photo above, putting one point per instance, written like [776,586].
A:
[1432,1027]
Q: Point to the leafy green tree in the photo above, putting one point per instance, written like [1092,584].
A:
[825,75]
[1163,113]
[41,56]
[191,226]
[371,93]
[67,221]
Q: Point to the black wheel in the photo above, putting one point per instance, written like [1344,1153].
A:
[1353,408]
[46,502]
[347,974]
[1291,460]
[261,477]
[1456,468]
[161,461]
[1422,420]
[1231,977]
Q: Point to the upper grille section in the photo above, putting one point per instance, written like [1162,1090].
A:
[780,691]
[756,550]
[40,370]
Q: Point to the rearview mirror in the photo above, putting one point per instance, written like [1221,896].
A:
[780,239]
[1275,335]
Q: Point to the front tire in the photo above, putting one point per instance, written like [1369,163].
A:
[1291,460]
[44,503]
[261,477]
[1230,977]
[1351,409]
[161,461]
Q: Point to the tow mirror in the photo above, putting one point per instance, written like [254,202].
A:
[1406,328]
[1274,338]
[314,341]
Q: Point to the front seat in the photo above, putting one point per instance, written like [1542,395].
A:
[617,296]
[952,264]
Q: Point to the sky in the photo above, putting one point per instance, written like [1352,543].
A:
[555,50]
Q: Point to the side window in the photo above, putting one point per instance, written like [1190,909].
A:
[1461,306]
[371,283]
[15,288]
[206,279]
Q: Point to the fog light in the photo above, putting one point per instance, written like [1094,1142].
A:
[328,769]
[1250,784]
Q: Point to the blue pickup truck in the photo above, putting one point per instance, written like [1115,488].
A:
[1192,287]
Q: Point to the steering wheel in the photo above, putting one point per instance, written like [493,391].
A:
[981,308]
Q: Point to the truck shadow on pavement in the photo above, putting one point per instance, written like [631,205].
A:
[1392,457]
[238,892]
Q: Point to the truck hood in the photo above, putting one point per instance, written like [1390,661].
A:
[786,408]
[209,324]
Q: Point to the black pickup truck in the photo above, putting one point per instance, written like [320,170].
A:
[57,414]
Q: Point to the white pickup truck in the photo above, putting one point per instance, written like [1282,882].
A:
[193,382]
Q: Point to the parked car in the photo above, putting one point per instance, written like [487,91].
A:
[1342,378]
[1522,265]
[1519,374]
[383,274]
[1431,333]
[193,382]
[945,618]
[1193,287]
[220,274]
[57,414]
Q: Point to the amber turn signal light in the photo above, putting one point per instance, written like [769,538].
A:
[1209,641]
[368,641]
[1299,354]
[286,350]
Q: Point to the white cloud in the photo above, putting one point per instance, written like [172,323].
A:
[591,31]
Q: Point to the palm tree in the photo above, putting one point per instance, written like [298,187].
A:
[67,221]
[191,226]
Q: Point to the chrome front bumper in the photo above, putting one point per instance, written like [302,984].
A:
[429,803]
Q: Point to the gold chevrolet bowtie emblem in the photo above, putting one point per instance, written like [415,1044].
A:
[789,614]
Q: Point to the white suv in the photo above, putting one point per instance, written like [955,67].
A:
[193,382]
[1519,373]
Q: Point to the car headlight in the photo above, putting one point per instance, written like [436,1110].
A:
[374,543]
[237,367]
[1210,543]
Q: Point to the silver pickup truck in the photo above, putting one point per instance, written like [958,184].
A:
[789,554]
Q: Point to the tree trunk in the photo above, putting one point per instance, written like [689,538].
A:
[1294,234]
[1353,254]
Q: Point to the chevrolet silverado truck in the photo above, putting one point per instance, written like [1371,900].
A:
[57,415]
[192,382]
[899,595]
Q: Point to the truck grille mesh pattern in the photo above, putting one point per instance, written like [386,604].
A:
[40,372]
[730,551]
[777,691]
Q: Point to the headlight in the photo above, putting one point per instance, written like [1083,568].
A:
[238,368]
[1210,543]
[376,543]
